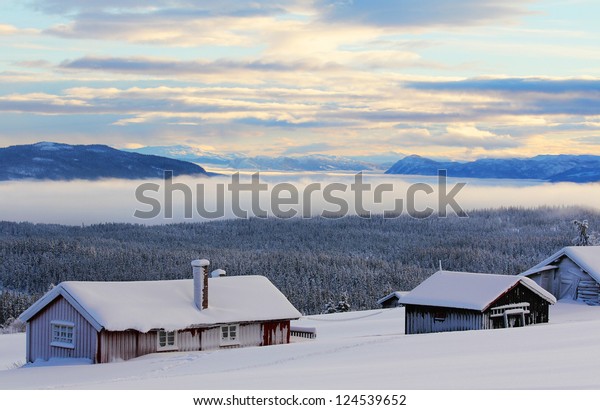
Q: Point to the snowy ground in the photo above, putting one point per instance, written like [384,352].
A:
[357,350]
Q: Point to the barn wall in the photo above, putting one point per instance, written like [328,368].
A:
[538,307]
[188,340]
[40,333]
[118,346]
[251,335]
[577,284]
[390,303]
[548,280]
[211,338]
[147,343]
[276,333]
[568,281]
[430,319]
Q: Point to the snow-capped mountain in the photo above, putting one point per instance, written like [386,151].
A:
[187,153]
[54,161]
[234,160]
[303,163]
[554,168]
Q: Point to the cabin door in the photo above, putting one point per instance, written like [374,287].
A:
[568,287]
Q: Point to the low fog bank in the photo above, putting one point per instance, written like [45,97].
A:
[288,194]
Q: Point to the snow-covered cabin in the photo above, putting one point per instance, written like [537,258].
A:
[571,273]
[449,301]
[391,300]
[112,321]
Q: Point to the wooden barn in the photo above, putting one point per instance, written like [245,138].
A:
[450,301]
[571,273]
[391,300]
[113,321]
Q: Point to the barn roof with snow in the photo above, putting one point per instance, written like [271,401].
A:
[392,299]
[464,290]
[586,257]
[147,305]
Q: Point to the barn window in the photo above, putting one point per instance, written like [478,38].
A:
[166,340]
[229,335]
[63,334]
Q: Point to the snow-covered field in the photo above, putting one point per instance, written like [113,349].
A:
[357,350]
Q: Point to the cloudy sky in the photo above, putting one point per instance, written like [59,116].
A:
[460,79]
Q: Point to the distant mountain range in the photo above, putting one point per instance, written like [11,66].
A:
[187,153]
[264,163]
[552,168]
[54,161]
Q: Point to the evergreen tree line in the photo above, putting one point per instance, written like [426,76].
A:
[12,304]
[312,261]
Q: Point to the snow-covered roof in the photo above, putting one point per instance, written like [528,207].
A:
[586,257]
[395,294]
[169,304]
[465,290]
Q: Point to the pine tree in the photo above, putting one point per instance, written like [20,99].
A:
[329,308]
[343,305]
[583,238]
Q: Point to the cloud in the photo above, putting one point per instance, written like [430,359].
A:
[9,30]
[381,102]
[522,85]
[148,66]
[463,135]
[43,103]
[421,14]
[152,29]
[143,6]
[519,96]
[6,29]
[381,114]
[591,140]
[34,64]
[183,24]
[470,136]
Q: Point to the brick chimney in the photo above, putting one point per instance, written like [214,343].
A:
[200,272]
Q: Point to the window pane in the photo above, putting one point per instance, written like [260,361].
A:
[62,333]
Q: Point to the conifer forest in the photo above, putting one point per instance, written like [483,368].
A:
[314,262]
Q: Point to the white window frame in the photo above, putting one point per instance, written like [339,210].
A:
[168,346]
[62,334]
[230,334]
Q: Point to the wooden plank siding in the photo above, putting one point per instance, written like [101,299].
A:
[117,346]
[39,335]
[125,345]
[249,334]
[431,319]
[568,281]
[210,338]
[275,333]
[188,340]
[539,308]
